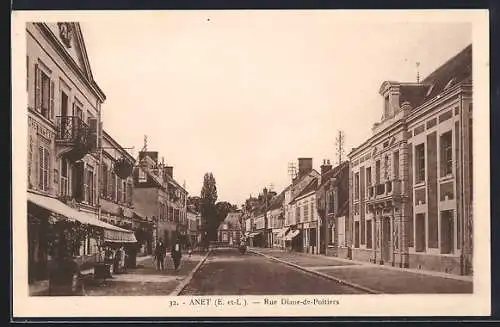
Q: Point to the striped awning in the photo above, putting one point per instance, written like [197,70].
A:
[291,235]
[111,233]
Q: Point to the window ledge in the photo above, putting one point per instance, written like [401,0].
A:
[419,184]
[446,178]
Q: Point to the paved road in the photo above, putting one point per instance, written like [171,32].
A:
[227,272]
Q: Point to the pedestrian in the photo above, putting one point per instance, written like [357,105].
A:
[176,255]
[159,256]
[123,256]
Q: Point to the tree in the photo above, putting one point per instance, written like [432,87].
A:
[223,208]
[195,201]
[208,211]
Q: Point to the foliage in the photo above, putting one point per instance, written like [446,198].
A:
[207,206]
[222,209]
[194,201]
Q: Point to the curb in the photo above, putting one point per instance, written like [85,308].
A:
[186,280]
[338,280]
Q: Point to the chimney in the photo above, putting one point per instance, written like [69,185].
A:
[170,171]
[305,166]
[326,166]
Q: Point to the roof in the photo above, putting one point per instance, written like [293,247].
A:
[277,201]
[232,220]
[325,178]
[457,69]
[312,186]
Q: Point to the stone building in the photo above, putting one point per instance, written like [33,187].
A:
[332,197]
[411,182]
[64,138]
[230,231]
[160,198]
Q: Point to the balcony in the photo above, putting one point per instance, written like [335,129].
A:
[389,188]
[74,136]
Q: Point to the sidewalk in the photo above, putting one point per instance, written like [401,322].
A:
[380,279]
[145,279]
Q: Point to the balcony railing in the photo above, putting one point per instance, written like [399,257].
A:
[72,130]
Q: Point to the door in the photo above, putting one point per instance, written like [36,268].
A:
[386,238]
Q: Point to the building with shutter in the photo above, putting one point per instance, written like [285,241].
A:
[159,197]
[64,133]
[411,182]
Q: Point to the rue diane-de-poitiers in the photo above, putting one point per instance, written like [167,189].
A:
[392,216]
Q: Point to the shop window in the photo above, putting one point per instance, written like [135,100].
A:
[446,157]
[420,232]
[447,232]
[419,163]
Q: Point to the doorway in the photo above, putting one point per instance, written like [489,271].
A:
[386,238]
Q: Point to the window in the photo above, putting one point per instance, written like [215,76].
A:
[312,210]
[369,232]
[90,191]
[447,232]
[395,165]
[124,190]
[446,154]
[306,212]
[331,198]
[420,232]
[64,183]
[419,163]
[44,168]
[119,192]
[377,172]
[297,214]
[130,191]
[113,187]
[356,186]
[44,93]
[77,111]
[104,179]
[368,176]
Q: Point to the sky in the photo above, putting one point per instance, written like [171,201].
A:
[242,94]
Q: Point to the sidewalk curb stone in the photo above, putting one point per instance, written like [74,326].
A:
[188,279]
[341,281]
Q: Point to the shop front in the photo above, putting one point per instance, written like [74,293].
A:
[59,234]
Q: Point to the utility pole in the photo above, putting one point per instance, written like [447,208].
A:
[339,145]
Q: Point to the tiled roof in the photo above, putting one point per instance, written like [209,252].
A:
[312,186]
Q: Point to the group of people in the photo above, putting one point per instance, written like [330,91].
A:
[160,254]
[117,257]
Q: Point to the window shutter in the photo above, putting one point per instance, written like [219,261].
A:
[46,162]
[38,82]
[119,195]
[110,183]
[51,104]
[40,168]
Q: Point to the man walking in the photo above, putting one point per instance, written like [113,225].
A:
[176,254]
[159,255]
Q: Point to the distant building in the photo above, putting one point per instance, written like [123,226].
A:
[230,231]
[411,182]
[194,225]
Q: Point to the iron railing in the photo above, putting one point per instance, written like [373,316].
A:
[72,129]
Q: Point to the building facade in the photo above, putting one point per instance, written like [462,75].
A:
[64,140]
[230,231]
[411,182]
[194,225]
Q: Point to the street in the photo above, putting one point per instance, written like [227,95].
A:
[227,272]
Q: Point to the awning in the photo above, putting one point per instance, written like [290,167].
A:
[111,233]
[254,234]
[282,232]
[291,235]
